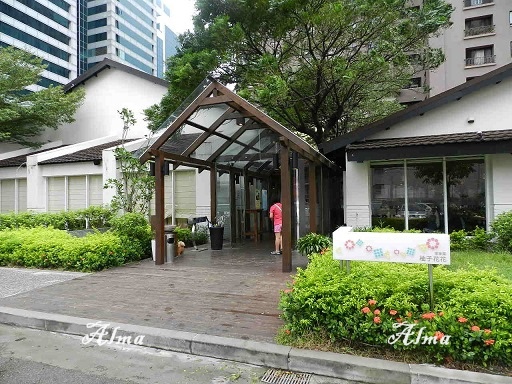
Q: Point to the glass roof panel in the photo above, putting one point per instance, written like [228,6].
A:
[228,128]
[238,164]
[234,149]
[208,147]
[206,116]
[252,137]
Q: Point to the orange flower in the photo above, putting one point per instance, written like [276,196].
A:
[287,331]
[393,312]
[398,320]
[428,316]
[462,320]
[441,313]
[415,321]
[438,335]
[372,302]
[288,290]
[365,310]
[409,314]
[376,312]
[475,328]
[487,331]
[376,320]
[489,342]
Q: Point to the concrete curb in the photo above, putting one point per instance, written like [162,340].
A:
[347,367]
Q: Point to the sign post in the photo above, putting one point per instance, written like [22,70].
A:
[415,248]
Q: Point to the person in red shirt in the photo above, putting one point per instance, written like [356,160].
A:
[276,214]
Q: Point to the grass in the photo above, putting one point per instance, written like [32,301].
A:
[502,262]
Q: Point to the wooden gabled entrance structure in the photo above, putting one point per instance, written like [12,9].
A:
[231,136]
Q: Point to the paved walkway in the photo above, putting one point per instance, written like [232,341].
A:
[231,293]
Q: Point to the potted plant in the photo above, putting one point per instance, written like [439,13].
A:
[217,232]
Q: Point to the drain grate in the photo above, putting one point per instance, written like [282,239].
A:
[276,376]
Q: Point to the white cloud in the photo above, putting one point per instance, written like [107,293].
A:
[181,15]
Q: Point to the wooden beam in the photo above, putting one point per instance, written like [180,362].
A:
[215,100]
[286,200]
[232,206]
[225,145]
[312,197]
[176,124]
[159,211]
[213,193]
[216,124]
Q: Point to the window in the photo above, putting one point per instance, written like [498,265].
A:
[415,82]
[479,26]
[96,23]
[474,3]
[412,195]
[480,56]
[97,37]
[510,17]
[97,9]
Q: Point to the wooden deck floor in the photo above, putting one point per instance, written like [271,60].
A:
[233,292]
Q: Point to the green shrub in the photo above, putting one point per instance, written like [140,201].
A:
[43,247]
[185,234]
[471,306]
[135,232]
[313,243]
[95,217]
[502,230]
[458,241]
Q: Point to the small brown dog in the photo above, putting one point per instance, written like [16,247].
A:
[180,248]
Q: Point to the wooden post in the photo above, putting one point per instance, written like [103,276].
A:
[232,206]
[286,200]
[213,193]
[159,208]
[247,205]
[312,197]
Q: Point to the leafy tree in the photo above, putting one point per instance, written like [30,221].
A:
[23,114]
[135,188]
[321,67]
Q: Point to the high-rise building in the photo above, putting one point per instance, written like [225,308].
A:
[479,41]
[47,29]
[74,35]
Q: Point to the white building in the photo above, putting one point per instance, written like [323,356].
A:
[440,165]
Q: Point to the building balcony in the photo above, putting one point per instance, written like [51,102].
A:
[482,30]
[473,61]
[475,3]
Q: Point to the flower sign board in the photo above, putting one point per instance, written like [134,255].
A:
[418,248]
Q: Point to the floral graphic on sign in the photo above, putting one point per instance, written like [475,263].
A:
[359,242]
[423,247]
[378,253]
[369,248]
[349,244]
[433,243]
[411,251]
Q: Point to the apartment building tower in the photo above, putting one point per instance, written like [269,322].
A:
[479,41]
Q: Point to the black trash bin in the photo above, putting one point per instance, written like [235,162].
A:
[216,237]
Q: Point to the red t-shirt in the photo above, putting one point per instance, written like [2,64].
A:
[276,211]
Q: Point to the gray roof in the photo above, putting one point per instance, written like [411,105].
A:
[107,64]
[88,154]
[466,137]
[18,161]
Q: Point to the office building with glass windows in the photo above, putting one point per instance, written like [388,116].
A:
[73,36]
[48,29]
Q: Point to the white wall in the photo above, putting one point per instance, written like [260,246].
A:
[502,183]
[489,107]
[357,194]
[112,90]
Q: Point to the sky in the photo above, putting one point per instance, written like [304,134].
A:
[181,15]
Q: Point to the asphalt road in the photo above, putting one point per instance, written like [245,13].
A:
[30,356]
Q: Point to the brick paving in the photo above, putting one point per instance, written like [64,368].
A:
[233,292]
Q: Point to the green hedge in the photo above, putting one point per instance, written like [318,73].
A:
[472,306]
[96,217]
[46,247]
